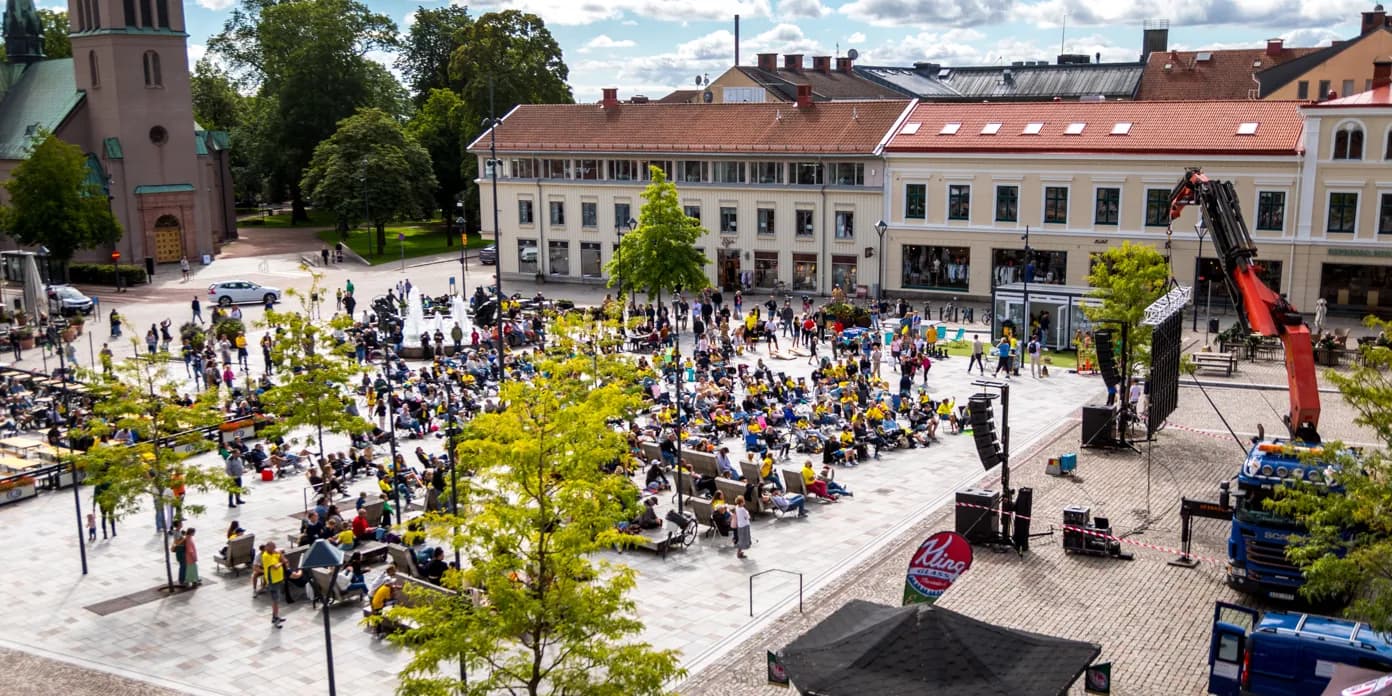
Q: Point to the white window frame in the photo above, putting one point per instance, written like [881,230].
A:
[1044,187]
[995,198]
[1357,210]
[947,202]
[1121,209]
[1285,211]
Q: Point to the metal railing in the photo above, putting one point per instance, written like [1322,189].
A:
[766,572]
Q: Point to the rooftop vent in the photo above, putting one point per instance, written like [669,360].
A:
[1204,56]
[1074,129]
[909,128]
[1248,128]
[1121,128]
[944,73]
[950,129]
[990,129]
[1032,128]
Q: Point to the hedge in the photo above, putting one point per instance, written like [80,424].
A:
[104,274]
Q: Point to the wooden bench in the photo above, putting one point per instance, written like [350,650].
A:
[1227,362]
[702,463]
[705,514]
[240,552]
[405,560]
[734,489]
[658,540]
[325,588]
[750,471]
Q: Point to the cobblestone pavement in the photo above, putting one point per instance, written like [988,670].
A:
[27,674]
[1151,619]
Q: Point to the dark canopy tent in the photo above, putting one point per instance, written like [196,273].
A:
[867,648]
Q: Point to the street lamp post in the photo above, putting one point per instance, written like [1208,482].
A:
[391,425]
[54,338]
[463,244]
[1198,264]
[880,228]
[454,462]
[323,554]
[492,123]
[1025,272]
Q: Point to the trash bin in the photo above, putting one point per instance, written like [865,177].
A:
[150,265]
[1213,326]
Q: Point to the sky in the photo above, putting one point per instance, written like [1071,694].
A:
[651,47]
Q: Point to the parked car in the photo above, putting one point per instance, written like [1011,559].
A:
[488,255]
[67,300]
[230,292]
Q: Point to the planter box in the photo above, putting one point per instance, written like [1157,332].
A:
[27,343]
[19,493]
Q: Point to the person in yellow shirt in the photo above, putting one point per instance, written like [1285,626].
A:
[766,472]
[273,568]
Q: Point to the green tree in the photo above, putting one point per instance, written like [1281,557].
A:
[424,61]
[516,51]
[1127,279]
[538,508]
[310,58]
[1347,542]
[438,127]
[142,398]
[661,255]
[371,167]
[316,373]
[55,32]
[217,105]
[55,202]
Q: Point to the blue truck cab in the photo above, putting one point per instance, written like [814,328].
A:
[1280,653]
[1257,561]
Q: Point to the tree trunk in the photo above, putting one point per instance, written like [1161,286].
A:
[168,525]
[449,227]
[297,206]
[381,238]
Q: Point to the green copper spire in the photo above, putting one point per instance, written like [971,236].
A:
[23,32]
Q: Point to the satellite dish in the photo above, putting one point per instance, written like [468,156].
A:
[708,96]
[852,54]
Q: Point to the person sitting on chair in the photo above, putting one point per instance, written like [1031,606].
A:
[772,496]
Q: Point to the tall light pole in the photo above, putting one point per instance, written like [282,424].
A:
[453,460]
[1025,272]
[55,338]
[492,123]
[1198,263]
[880,228]
[463,244]
[391,425]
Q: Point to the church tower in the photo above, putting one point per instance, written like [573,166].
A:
[23,32]
[131,62]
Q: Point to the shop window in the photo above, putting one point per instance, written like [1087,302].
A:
[843,273]
[765,269]
[558,257]
[590,259]
[805,272]
[1043,267]
[936,267]
[526,256]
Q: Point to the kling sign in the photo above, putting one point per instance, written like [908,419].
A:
[939,561]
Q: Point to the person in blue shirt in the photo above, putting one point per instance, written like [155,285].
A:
[1003,357]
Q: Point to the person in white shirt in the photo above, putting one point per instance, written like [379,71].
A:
[743,538]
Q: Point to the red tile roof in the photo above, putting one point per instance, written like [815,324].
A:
[1379,96]
[680,96]
[1206,128]
[827,127]
[1227,74]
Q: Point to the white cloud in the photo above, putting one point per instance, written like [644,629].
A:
[783,38]
[603,41]
[858,37]
[952,13]
[801,9]
[1307,36]
[632,23]
[196,53]
[1245,13]
[216,5]
[571,12]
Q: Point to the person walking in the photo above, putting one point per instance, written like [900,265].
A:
[191,560]
[978,350]
[99,502]
[115,320]
[184,267]
[197,310]
[273,568]
[180,550]
[743,538]
[106,359]
[1002,357]
[235,467]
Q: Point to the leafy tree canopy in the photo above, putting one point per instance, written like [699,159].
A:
[217,105]
[53,202]
[371,167]
[661,255]
[430,43]
[438,127]
[1128,279]
[521,57]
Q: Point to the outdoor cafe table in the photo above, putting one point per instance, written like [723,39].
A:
[54,455]
[15,465]
[20,446]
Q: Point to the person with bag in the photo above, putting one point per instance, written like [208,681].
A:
[180,552]
[190,577]
[743,533]
[1034,349]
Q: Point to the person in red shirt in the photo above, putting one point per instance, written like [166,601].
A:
[362,531]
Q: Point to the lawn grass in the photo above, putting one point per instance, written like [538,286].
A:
[422,239]
[1060,359]
[317,218]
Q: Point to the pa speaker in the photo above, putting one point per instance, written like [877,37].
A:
[978,514]
[1024,507]
[1099,426]
[1106,359]
[984,431]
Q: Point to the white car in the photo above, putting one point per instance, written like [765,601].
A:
[230,292]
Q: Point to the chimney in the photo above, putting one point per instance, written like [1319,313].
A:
[1382,72]
[793,62]
[930,69]
[736,39]
[1274,47]
[1155,37]
[1333,94]
[611,98]
[1372,21]
[821,64]
[843,65]
[768,62]
[804,96]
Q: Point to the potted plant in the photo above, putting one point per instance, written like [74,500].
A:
[21,317]
[76,323]
[17,488]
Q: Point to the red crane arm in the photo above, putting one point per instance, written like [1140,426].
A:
[1263,311]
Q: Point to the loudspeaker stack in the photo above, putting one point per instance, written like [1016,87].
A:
[1106,359]
[984,430]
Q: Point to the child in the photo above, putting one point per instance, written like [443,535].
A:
[91,526]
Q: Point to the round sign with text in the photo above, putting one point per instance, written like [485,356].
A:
[937,563]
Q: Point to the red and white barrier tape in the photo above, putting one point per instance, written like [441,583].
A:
[1210,433]
[1109,537]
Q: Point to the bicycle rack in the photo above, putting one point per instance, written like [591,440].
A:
[766,572]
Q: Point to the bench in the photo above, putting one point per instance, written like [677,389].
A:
[702,463]
[734,489]
[705,514]
[325,588]
[750,471]
[413,592]
[240,552]
[658,540]
[794,483]
[650,450]
[405,560]
[1227,362]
